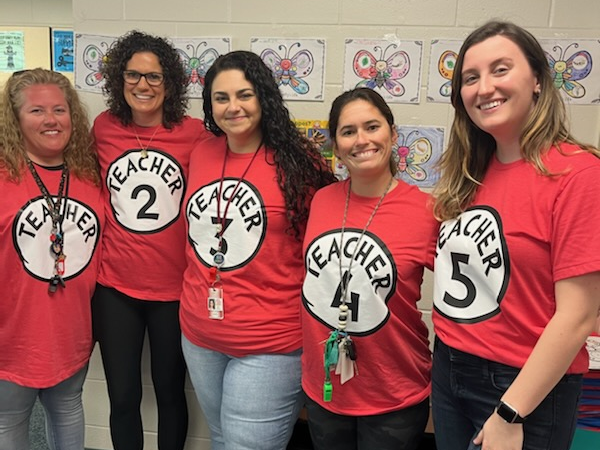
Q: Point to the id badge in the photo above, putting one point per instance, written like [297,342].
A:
[215,303]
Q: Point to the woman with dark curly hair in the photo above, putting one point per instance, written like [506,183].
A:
[251,187]
[144,142]
[51,208]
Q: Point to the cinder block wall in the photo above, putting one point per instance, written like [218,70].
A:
[332,20]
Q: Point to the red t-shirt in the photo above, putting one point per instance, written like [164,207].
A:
[393,357]
[497,263]
[262,273]
[46,338]
[143,252]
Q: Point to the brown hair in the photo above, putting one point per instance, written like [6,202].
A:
[470,149]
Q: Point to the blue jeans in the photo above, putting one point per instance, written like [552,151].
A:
[65,424]
[466,390]
[250,403]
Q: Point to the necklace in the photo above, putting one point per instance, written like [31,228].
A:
[145,149]
[56,210]
[340,351]
[345,279]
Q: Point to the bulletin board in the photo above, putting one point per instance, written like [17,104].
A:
[35,51]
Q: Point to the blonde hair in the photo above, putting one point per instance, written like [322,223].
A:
[79,153]
[465,161]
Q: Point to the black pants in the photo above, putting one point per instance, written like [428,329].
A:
[120,324]
[397,430]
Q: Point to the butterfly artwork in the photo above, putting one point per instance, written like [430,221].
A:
[290,70]
[446,65]
[442,65]
[381,72]
[412,153]
[197,64]
[93,59]
[568,72]
[90,53]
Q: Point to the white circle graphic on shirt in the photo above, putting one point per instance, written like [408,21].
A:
[242,212]
[146,194]
[472,266]
[372,280]
[32,228]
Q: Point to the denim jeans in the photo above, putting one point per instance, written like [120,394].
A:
[65,424]
[466,390]
[250,403]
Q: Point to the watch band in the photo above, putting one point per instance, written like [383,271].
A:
[508,413]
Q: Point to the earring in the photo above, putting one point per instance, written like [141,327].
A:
[395,155]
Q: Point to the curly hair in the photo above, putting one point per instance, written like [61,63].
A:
[301,169]
[465,161]
[369,96]
[115,62]
[78,153]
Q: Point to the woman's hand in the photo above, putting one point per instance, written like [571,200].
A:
[497,434]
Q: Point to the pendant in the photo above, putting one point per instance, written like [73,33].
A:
[56,247]
[219,259]
[144,154]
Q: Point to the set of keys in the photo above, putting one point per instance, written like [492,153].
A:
[56,248]
[340,358]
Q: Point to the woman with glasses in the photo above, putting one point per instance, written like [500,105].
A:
[51,214]
[144,142]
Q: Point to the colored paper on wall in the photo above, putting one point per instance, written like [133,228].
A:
[298,65]
[392,67]
[442,58]
[198,54]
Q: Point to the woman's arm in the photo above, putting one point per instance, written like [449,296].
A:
[577,304]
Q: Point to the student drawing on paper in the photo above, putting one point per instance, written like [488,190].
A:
[196,65]
[382,72]
[290,70]
[568,72]
[446,69]
[411,153]
[93,59]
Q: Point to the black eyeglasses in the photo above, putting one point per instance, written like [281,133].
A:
[152,78]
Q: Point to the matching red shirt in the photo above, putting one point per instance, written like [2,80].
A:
[497,263]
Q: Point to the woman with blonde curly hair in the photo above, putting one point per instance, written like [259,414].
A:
[50,222]
[517,270]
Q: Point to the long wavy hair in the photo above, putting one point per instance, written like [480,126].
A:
[301,169]
[78,153]
[465,161]
[369,96]
[115,62]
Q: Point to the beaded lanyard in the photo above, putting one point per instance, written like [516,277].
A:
[339,341]
[54,209]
